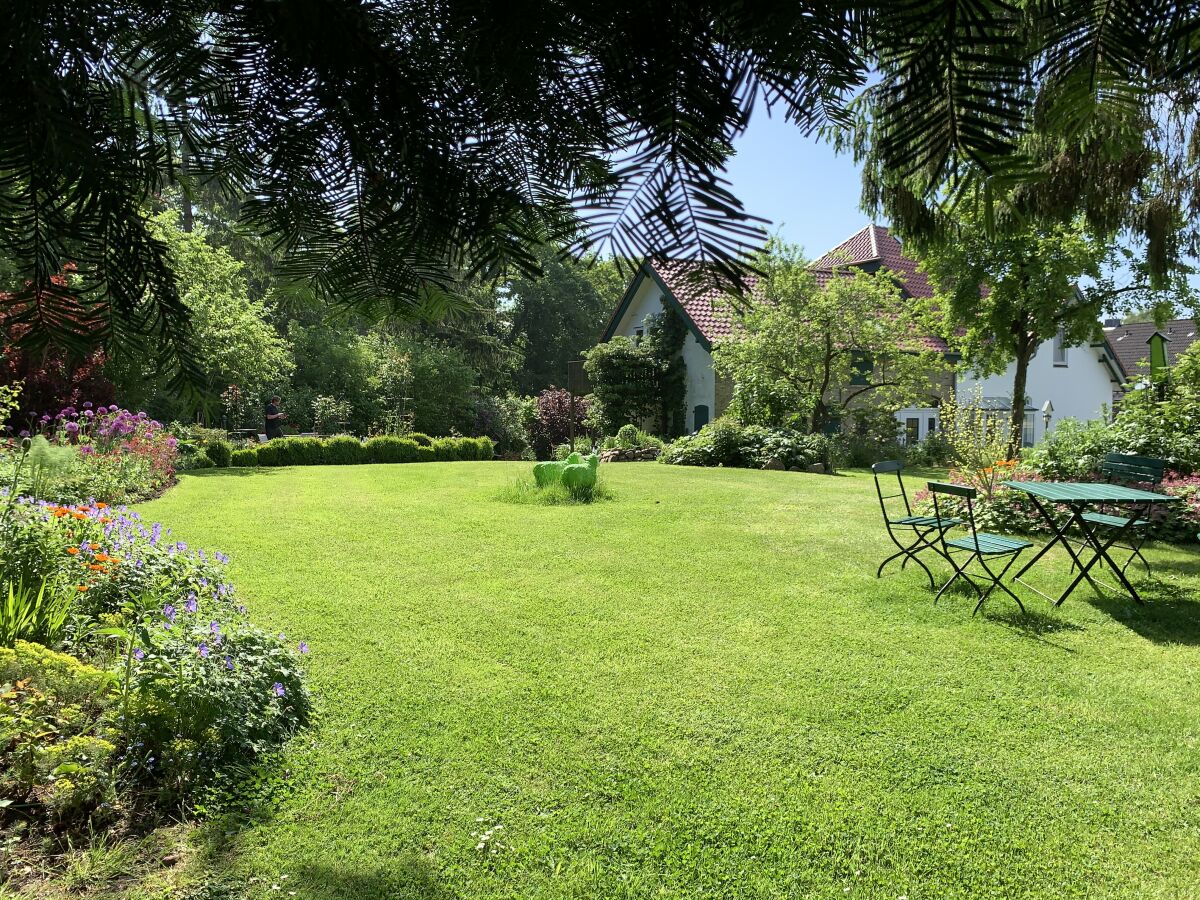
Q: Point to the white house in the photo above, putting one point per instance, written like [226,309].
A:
[1078,382]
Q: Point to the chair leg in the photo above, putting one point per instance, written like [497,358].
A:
[997,582]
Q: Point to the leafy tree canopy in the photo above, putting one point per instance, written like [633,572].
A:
[388,149]
[804,354]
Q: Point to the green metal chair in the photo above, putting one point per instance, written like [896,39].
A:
[1127,468]
[919,533]
[977,547]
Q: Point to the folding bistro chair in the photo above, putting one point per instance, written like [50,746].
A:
[911,534]
[977,547]
[1125,469]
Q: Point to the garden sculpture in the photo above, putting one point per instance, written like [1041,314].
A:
[576,471]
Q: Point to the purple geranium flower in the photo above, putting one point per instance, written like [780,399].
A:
[304,646]
[191,605]
[169,612]
[229,662]
[278,689]
[203,650]
[139,654]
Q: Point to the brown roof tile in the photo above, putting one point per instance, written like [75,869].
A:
[1128,342]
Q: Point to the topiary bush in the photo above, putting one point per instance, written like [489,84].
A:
[386,448]
[466,448]
[343,450]
[220,453]
[423,439]
[445,449]
[425,453]
[485,448]
[247,456]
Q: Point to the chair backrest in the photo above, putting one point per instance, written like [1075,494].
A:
[944,488]
[1126,467]
[885,468]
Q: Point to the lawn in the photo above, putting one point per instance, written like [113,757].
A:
[696,689]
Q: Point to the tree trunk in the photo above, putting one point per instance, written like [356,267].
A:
[1025,346]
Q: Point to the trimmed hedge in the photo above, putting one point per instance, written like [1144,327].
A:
[247,456]
[344,450]
[219,452]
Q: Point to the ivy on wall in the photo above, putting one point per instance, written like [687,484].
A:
[636,380]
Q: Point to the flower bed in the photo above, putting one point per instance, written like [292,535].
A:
[115,455]
[131,674]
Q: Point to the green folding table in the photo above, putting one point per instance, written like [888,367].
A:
[1078,497]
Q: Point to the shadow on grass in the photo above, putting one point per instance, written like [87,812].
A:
[407,877]
[1032,624]
[231,471]
[1171,614]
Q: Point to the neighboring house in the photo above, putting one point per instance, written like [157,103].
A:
[1079,382]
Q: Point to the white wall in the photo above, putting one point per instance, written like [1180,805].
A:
[701,383]
[1081,389]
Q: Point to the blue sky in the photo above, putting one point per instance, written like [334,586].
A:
[809,193]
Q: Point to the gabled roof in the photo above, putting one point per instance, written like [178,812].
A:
[706,308]
[1128,343]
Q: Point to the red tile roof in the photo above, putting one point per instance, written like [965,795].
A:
[708,307]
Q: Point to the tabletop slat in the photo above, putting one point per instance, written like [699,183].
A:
[1088,492]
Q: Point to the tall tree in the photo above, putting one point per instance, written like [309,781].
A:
[555,316]
[1000,294]
[805,353]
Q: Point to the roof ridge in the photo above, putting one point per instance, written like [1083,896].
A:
[874,241]
[867,228]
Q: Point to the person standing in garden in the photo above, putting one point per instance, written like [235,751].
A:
[274,419]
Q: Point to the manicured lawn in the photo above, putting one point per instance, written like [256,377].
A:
[697,689]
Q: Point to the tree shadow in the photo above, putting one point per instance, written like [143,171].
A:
[231,472]
[406,877]
[1171,614]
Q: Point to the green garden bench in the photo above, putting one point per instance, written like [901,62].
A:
[1124,468]
[911,534]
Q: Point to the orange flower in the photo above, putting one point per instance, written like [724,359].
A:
[96,567]
[73,550]
[93,546]
[82,588]
[104,520]
[59,513]
[101,506]
[101,557]
[78,515]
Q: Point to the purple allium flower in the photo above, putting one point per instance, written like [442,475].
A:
[203,650]
[88,413]
[304,646]
[113,408]
[278,689]
[24,432]
[72,428]
[139,654]
[87,404]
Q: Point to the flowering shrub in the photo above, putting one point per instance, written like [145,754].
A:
[121,456]
[196,686]
[726,442]
[551,424]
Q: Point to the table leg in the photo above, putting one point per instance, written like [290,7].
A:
[1059,535]
[1101,550]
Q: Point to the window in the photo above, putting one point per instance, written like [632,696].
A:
[912,431]
[1027,430]
[1060,348]
[699,417]
[932,429]
[639,333]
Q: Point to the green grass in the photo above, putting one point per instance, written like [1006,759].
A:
[696,689]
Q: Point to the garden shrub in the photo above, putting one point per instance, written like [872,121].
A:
[485,448]
[269,453]
[468,450]
[176,683]
[219,452]
[246,456]
[425,453]
[551,423]
[445,449]
[343,450]
[423,439]
[726,442]
[386,448]
[197,460]
[1073,451]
